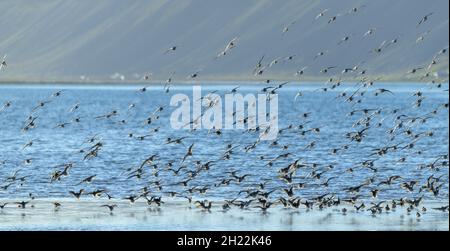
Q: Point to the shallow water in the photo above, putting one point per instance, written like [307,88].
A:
[55,146]
[178,216]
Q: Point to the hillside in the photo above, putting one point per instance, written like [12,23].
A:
[66,39]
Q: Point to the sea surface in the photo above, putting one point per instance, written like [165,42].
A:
[54,146]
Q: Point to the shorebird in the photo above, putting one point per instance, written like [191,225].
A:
[168,83]
[258,66]
[369,32]
[171,49]
[344,39]
[229,46]
[424,19]
[157,200]
[132,198]
[177,171]
[110,207]
[205,205]
[320,54]
[77,194]
[40,105]
[28,144]
[6,105]
[74,107]
[414,70]
[175,141]
[108,115]
[381,91]
[361,206]
[321,14]
[390,180]
[327,182]
[57,205]
[188,153]
[333,19]
[87,180]
[422,36]
[239,179]
[194,75]
[264,205]
[147,76]
[286,28]
[97,193]
[326,69]
[22,204]
[3,63]
[443,209]
[356,9]
[56,94]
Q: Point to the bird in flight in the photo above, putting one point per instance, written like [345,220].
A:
[424,19]
[110,207]
[369,32]
[3,63]
[229,46]
[322,13]
[171,49]
[286,28]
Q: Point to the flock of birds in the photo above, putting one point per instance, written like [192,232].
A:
[264,194]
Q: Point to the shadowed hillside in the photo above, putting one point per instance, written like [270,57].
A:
[67,39]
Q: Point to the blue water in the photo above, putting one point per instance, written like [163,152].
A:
[121,154]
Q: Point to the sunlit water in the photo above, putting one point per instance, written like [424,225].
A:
[55,146]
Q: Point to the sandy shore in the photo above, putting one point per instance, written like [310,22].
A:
[174,215]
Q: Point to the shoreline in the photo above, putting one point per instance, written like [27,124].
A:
[187,83]
[173,215]
[219,80]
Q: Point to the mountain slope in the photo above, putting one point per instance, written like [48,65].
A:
[66,39]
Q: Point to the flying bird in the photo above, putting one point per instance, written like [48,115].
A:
[171,49]
[286,28]
[228,48]
[424,19]
[3,63]
[321,14]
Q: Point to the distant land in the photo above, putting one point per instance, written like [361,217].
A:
[122,41]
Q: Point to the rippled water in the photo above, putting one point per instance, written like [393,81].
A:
[53,146]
